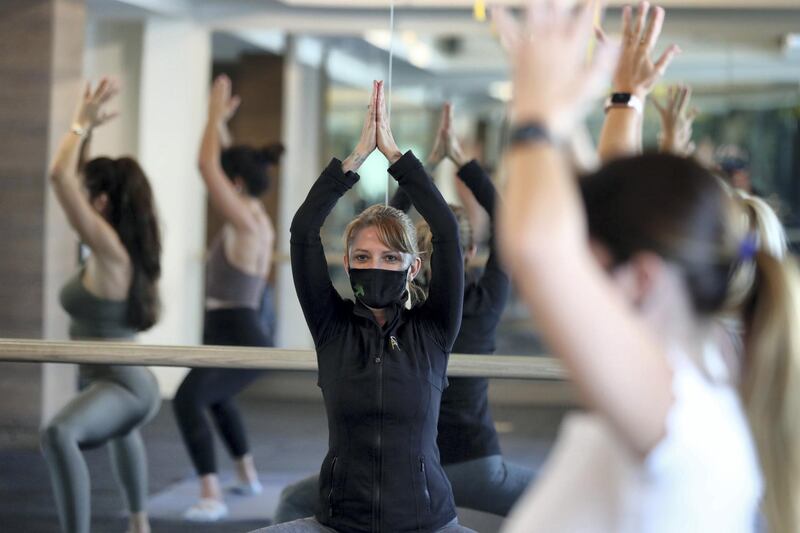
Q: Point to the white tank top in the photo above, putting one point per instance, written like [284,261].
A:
[703,477]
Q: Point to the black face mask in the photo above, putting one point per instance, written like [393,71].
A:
[378,288]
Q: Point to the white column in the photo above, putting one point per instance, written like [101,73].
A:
[175,76]
[302,128]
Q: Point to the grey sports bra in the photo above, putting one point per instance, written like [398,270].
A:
[227,283]
[92,317]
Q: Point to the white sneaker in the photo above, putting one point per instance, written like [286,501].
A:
[206,510]
[246,489]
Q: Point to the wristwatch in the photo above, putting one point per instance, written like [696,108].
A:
[528,132]
[621,100]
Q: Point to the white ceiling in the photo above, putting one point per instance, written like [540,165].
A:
[441,48]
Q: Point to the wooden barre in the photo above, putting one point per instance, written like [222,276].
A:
[122,353]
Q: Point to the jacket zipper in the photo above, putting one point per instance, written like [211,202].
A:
[333,481]
[425,480]
[376,511]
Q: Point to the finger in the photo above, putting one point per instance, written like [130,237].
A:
[641,16]
[535,14]
[600,35]
[661,108]
[87,90]
[692,114]
[653,29]
[236,101]
[507,27]
[687,96]
[598,76]
[582,22]
[627,27]
[666,58]
[106,117]
[690,148]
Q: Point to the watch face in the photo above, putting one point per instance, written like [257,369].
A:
[620,98]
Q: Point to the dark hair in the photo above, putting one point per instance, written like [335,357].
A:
[251,165]
[131,213]
[670,206]
[677,209]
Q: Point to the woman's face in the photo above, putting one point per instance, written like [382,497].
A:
[368,251]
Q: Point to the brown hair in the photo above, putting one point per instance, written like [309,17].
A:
[395,230]
[132,214]
[425,242]
[675,208]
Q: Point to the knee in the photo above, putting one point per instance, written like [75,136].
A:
[186,401]
[56,435]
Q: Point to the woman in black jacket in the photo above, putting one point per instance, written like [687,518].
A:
[470,451]
[382,365]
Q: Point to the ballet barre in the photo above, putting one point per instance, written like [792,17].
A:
[126,353]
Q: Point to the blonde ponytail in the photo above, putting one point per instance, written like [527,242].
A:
[770,384]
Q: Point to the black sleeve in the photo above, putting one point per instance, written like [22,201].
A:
[400,200]
[322,305]
[495,281]
[446,291]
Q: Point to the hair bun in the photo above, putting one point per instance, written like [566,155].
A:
[272,153]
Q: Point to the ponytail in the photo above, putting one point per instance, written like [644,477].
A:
[770,385]
[132,214]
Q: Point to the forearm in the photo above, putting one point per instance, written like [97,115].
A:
[65,164]
[84,152]
[210,147]
[543,212]
[225,137]
[480,185]
[621,135]
[331,185]
[427,199]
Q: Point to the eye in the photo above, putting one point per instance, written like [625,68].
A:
[361,258]
[391,258]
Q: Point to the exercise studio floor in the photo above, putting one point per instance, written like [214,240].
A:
[288,439]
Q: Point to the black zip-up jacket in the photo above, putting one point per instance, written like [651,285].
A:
[382,386]
[466,428]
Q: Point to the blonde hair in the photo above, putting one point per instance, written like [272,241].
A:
[755,219]
[395,230]
[766,292]
[425,242]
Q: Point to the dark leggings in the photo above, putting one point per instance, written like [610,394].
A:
[214,389]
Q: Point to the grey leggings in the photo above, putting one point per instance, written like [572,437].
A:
[117,401]
[488,484]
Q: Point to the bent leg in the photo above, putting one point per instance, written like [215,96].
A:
[298,500]
[100,412]
[488,484]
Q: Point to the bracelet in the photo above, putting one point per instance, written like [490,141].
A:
[529,132]
[79,130]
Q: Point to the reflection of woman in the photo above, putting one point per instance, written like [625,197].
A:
[112,297]
[468,444]
[382,366]
[677,440]
[238,264]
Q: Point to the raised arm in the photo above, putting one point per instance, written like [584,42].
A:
[221,190]
[617,365]
[676,121]
[446,289]
[636,75]
[480,190]
[322,305]
[65,170]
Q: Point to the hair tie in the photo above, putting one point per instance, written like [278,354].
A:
[748,247]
